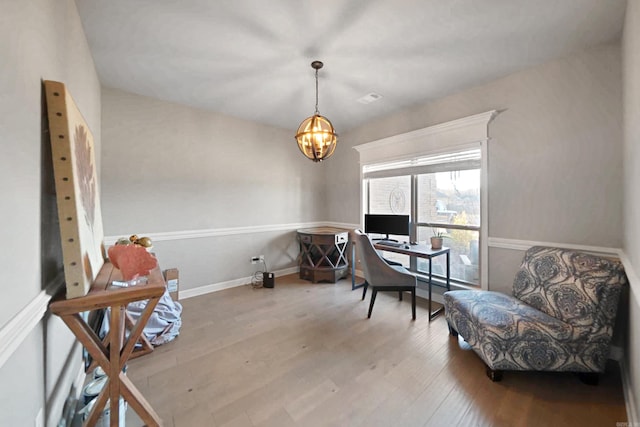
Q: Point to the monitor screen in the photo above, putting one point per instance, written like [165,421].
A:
[386,224]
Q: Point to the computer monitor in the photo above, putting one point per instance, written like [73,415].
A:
[386,224]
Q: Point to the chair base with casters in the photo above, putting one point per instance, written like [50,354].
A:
[381,276]
[560,317]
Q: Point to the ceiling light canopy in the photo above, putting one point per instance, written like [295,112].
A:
[316,137]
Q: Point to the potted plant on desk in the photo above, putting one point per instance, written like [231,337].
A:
[437,238]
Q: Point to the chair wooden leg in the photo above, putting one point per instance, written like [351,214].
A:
[589,378]
[374,292]
[494,374]
[452,331]
[365,285]
[400,295]
[413,303]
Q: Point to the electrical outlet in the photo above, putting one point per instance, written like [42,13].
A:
[256,259]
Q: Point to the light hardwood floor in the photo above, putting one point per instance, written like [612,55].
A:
[305,354]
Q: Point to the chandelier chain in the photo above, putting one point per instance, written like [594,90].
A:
[317,112]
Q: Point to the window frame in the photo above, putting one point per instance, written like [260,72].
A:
[471,131]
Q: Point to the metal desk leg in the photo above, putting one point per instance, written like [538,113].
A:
[433,314]
[353,269]
[430,284]
[448,272]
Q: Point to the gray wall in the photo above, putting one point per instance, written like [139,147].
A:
[556,154]
[169,168]
[631,81]
[563,167]
[555,158]
[39,40]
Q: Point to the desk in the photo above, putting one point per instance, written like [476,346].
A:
[112,353]
[422,251]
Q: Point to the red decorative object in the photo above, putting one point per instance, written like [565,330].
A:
[132,260]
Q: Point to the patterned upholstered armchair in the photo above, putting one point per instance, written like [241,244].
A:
[560,317]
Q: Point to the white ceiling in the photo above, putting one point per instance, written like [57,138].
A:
[251,58]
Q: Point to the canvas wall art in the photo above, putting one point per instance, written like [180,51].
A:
[77,190]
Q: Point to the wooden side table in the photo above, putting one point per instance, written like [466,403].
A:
[323,254]
[112,353]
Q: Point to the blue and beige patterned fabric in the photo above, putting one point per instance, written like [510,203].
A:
[560,317]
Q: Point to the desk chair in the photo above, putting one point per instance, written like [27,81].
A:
[382,276]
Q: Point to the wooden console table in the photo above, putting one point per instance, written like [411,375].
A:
[323,254]
[112,353]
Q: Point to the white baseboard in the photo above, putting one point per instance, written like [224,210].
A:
[207,289]
[68,390]
[78,383]
[424,293]
[629,396]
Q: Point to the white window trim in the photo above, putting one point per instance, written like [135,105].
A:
[466,132]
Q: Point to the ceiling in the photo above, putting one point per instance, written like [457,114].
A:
[251,58]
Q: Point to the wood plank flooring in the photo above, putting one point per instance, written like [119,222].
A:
[304,354]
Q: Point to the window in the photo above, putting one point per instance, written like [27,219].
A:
[449,202]
[391,195]
[440,193]
[446,166]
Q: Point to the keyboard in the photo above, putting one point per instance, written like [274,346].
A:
[390,243]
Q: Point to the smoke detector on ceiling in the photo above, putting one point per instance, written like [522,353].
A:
[369,98]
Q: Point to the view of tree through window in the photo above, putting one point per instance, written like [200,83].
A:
[452,198]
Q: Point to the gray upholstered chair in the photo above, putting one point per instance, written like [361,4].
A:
[560,317]
[381,276]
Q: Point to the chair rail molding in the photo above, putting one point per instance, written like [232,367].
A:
[523,245]
[16,330]
[228,231]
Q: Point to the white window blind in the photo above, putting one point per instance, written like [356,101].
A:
[461,160]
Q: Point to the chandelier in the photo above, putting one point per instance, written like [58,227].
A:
[316,137]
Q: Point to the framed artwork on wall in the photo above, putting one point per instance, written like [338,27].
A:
[77,190]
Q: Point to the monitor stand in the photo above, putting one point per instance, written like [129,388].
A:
[385,240]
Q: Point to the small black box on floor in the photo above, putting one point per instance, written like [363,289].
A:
[268,280]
